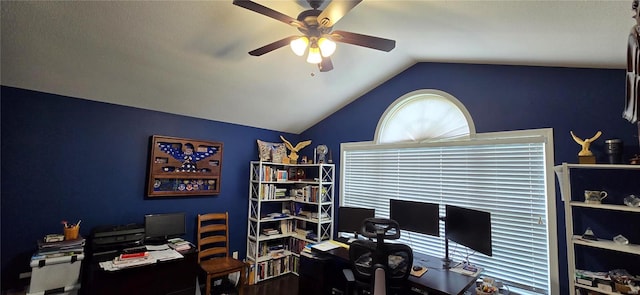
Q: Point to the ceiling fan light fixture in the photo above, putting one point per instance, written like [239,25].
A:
[327,47]
[299,45]
[314,55]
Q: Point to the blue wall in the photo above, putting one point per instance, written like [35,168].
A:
[501,98]
[66,158]
[71,159]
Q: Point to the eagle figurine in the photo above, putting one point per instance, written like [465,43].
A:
[293,155]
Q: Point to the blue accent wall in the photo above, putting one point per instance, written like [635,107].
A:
[73,159]
[68,158]
[502,98]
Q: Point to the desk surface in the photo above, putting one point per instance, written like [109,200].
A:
[436,280]
[176,276]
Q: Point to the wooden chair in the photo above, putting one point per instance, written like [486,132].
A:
[213,249]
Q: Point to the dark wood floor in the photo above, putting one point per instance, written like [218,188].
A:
[284,285]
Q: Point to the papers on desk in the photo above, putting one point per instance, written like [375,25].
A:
[325,246]
[340,244]
[153,257]
[466,269]
[157,247]
[164,255]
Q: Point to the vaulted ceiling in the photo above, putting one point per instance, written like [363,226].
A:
[190,57]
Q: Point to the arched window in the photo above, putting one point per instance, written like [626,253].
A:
[424,115]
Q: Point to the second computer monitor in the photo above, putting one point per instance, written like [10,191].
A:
[416,216]
[350,219]
[470,228]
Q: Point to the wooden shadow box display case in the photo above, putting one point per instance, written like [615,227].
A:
[184,167]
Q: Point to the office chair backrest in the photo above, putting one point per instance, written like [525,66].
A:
[379,264]
[213,235]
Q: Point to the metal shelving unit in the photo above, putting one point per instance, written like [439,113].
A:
[305,205]
[571,203]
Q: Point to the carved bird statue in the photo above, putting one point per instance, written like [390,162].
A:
[293,155]
[585,143]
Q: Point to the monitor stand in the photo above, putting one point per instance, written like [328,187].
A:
[155,241]
[446,261]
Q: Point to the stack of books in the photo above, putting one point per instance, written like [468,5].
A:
[276,251]
[132,259]
[59,248]
[281,193]
[307,248]
[270,231]
[179,244]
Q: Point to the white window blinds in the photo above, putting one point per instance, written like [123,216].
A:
[506,177]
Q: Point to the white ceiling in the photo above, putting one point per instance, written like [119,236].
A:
[190,58]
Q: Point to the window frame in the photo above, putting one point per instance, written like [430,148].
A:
[542,135]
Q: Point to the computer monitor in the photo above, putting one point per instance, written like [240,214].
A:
[417,217]
[160,227]
[350,218]
[468,227]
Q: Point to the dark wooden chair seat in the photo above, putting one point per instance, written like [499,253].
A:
[213,250]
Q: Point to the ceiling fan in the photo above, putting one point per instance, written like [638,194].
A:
[316,26]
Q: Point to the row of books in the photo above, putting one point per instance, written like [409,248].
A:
[269,269]
[289,226]
[269,173]
[276,267]
[309,193]
[285,227]
[272,249]
[269,191]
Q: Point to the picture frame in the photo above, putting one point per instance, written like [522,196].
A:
[183,167]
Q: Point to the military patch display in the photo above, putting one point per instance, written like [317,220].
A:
[184,167]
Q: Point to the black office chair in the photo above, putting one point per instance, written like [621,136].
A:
[377,267]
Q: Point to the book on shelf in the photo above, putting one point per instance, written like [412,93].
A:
[270,231]
[322,215]
[286,226]
[275,215]
[277,253]
[303,232]
[280,193]
[307,248]
[281,175]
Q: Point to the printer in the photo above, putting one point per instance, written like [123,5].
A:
[109,239]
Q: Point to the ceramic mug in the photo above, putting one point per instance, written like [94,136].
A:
[594,197]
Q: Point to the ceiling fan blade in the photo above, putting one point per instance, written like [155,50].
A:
[335,11]
[364,40]
[269,12]
[326,65]
[272,46]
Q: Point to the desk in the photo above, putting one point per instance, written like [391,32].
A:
[165,277]
[435,281]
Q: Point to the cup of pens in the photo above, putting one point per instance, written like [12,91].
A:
[71,231]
